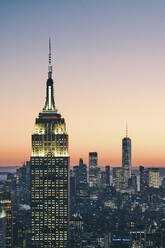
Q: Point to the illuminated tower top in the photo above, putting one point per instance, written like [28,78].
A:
[50,103]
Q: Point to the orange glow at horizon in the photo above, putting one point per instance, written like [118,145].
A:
[95,116]
[108,62]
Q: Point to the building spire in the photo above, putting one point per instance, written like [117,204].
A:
[50,61]
[50,103]
[126,130]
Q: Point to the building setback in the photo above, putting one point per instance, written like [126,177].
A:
[49,175]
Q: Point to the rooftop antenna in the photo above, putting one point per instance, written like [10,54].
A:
[50,61]
[126,130]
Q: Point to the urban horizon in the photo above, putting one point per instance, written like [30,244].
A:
[94,176]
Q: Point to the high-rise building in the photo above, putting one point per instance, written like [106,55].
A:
[149,177]
[126,157]
[76,176]
[107,175]
[93,169]
[2,227]
[49,175]
[82,172]
[6,208]
[23,184]
[132,182]
[153,177]
[118,176]
[83,186]
[102,179]
[143,179]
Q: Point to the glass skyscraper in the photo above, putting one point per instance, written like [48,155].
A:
[126,158]
[49,175]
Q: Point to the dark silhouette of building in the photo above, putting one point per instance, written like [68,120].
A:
[126,158]
[6,208]
[107,175]
[93,169]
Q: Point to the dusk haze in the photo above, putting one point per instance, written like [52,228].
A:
[108,62]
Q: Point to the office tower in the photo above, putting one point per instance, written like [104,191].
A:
[93,169]
[6,208]
[82,172]
[22,232]
[153,177]
[2,227]
[162,233]
[72,189]
[102,179]
[143,179]
[126,157]
[83,186]
[163,183]
[107,175]
[118,178]
[23,184]
[132,182]
[107,240]
[76,176]
[49,175]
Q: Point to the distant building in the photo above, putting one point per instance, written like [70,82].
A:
[163,183]
[83,185]
[2,228]
[118,178]
[107,175]
[76,178]
[153,177]
[126,158]
[6,208]
[138,238]
[143,179]
[93,169]
[132,182]
[149,177]
[23,184]
[82,172]
[102,179]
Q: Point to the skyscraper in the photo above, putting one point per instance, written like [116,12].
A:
[49,175]
[6,209]
[126,157]
[107,175]
[118,178]
[149,177]
[2,227]
[143,179]
[153,177]
[93,169]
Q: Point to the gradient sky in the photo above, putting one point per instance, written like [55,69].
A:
[108,68]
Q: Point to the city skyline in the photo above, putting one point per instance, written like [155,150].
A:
[108,69]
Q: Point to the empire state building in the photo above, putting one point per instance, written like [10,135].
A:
[49,175]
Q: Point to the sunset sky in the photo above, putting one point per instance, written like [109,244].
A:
[108,69]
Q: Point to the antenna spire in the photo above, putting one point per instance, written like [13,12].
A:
[50,61]
[126,130]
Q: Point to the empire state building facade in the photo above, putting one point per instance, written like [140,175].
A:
[49,175]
